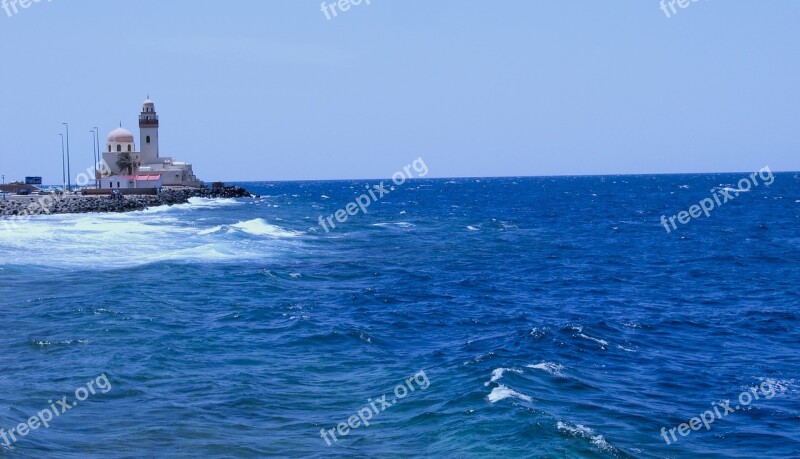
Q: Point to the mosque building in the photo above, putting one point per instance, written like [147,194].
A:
[147,168]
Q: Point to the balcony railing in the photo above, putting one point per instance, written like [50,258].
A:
[148,119]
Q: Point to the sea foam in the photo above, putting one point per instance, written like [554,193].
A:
[497,373]
[502,392]
[259,227]
[549,367]
[587,433]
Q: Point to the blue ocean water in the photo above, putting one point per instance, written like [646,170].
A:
[542,317]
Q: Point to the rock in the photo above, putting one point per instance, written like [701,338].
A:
[106,204]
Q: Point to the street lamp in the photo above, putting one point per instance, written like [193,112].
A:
[69,178]
[63,166]
[94,156]
[97,141]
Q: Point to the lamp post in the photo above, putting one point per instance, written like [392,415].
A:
[97,142]
[4,187]
[63,166]
[94,156]
[69,178]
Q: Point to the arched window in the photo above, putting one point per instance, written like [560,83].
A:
[109,148]
[129,147]
[119,148]
[148,139]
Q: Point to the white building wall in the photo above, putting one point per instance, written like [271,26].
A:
[149,152]
[116,181]
[120,147]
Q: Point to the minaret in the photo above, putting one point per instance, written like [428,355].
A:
[148,132]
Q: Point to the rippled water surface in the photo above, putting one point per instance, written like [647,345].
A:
[551,317]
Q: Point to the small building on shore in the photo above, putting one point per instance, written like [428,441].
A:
[125,161]
[121,182]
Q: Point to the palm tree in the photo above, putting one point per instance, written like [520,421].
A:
[126,161]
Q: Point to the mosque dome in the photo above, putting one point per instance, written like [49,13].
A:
[120,135]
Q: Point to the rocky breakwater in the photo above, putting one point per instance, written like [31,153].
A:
[18,207]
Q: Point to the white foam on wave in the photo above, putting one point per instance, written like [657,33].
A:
[106,240]
[780,386]
[497,373]
[214,202]
[194,203]
[549,367]
[603,343]
[729,189]
[502,392]
[395,224]
[472,228]
[537,333]
[587,433]
[213,230]
[158,209]
[259,227]
[92,230]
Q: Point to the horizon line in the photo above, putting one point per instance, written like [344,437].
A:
[502,176]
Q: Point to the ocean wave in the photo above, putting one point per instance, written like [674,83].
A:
[103,241]
[537,333]
[394,224]
[729,189]
[603,343]
[259,227]
[549,367]
[502,392]
[213,230]
[194,203]
[90,232]
[497,373]
[781,386]
[587,433]
[44,343]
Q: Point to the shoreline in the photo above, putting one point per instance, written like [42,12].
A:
[23,207]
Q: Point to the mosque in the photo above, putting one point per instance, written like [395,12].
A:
[148,169]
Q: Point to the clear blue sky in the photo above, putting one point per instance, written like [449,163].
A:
[272,90]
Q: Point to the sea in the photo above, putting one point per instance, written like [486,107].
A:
[552,317]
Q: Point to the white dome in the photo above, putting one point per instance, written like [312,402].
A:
[120,135]
[148,102]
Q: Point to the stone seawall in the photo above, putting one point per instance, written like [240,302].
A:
[24,206]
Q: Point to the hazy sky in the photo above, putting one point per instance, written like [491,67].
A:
[272,90]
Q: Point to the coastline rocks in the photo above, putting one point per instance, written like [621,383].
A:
[18,207]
